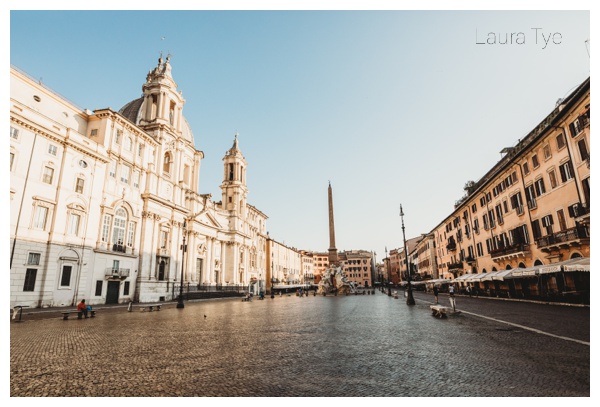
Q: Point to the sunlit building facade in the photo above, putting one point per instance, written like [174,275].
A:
[102,201]
[532,207]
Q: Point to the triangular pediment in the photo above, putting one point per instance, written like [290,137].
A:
[209,219]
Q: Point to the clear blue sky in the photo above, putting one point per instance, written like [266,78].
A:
[392,107]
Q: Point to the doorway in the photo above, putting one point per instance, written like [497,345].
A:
[112,292]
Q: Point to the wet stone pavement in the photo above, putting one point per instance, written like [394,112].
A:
[351,346]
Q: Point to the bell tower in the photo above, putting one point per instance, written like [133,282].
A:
[163,105]
[234,191]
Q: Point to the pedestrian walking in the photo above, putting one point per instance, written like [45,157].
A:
[468,290]
[435,293]
[451,290]
[82,309]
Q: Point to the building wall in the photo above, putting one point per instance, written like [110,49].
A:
[130,178]
[521,213]
[358,267]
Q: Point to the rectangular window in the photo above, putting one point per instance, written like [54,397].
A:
[105,228]
[129,144]
[583,150]
[547,222]
[125,171]
[566,171]
[547,151]
[530,197]
[486,224]
[130,234]
[505,204]
[39,221]
[575,127]
[93,132]
[118,136]
[48,175]
[552,176]
[492,218]
[164,237]
[79,185]
[482,201]
[562,222]
[98,292]
[488,197]
[140,150]
[33,259]
[479,249]
[126,288]
[65,279]
[525,168]
[499,214]
[12,160]
[52,149]
[73,227]
[474,208]
[136,179]
[560,141]
[534,161]
[112,171]
[540,188]
[476,225]
[14,134]
[29,284]
[535,227]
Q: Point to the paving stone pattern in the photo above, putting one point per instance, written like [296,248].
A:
[350,346]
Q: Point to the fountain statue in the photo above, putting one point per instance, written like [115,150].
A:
[335,281]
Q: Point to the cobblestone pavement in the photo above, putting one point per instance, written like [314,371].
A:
[351,346]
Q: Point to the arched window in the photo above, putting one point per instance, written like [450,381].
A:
[167,163]
[119,224]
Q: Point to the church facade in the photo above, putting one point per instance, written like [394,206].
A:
[102,202]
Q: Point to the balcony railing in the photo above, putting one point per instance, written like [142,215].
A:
[565,236]
[117,273]
[470,259]
[511,249]
[454,266]
[451,246]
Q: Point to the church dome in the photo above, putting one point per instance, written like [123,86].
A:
[132,112]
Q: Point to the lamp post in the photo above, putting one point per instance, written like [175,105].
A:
[409,299]
[180,297]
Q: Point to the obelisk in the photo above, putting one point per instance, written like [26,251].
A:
[333,256]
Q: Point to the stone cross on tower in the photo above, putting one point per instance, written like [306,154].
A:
[333,256]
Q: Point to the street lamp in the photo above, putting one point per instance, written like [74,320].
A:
[409,299]
[183,247]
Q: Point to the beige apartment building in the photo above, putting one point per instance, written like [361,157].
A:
[424,258]
[358,265]
[105,204]
[284,265]
[320,264]
[531,208]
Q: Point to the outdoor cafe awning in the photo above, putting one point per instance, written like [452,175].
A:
[462,278]
[523,272]
[490,276]
[576,264]
[477,277]
[439,281]
[502,274]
